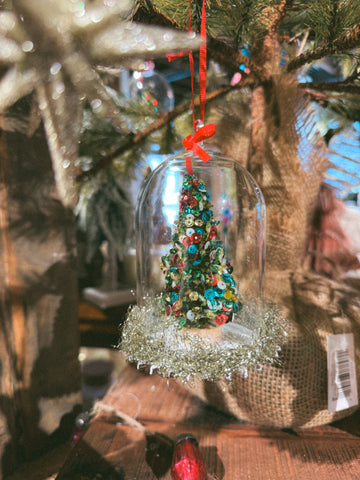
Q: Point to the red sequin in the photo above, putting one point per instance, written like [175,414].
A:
[221,319]
[187,462]
[176,306]
[181,266]
[196,237]
[187,241]
[168,310]
[175,259]
[214,280]
[192,202]
[212,233]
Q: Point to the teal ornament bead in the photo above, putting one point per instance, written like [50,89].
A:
[206,216]
[197,261]
[209,294]
[211,304]
[192,249]
[236,307]
[226,278]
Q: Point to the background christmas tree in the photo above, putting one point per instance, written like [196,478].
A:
[297,99]
[295,106]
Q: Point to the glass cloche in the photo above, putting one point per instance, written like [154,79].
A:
[200,272]
[203,233]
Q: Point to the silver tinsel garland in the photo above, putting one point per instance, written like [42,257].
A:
[253,339]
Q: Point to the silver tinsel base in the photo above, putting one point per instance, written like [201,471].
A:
[252,339]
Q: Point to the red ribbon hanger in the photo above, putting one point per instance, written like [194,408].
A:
[204,131]
[191,141]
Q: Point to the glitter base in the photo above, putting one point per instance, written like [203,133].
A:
[151,339]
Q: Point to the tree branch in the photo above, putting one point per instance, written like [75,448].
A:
[230,57]
[334,48]
[132,139]
[220,51]
[331,87]
[281,11]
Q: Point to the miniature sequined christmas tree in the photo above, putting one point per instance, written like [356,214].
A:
[199,288]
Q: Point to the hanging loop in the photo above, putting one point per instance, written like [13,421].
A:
[191,141]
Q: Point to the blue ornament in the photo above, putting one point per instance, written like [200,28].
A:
[192,249]
[206,215]
[209,294]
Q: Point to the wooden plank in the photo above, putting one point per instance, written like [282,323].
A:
[44,468]
[244,452]
[231,449]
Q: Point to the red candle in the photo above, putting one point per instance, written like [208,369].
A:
[187,462]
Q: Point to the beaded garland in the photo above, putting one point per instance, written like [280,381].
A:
[199,288]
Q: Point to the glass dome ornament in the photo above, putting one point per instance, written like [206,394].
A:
[207,233]
[200,249]
[152,88]
[200,272]
[154,91]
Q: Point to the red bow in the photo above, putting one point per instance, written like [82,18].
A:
[191,141]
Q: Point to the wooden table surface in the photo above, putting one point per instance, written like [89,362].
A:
[232,450]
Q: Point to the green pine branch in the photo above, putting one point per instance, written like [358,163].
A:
[343,45]
[131,140]
[331,87]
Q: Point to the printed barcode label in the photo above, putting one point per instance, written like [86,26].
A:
[342,384]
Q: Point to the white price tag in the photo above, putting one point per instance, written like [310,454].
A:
[342,384]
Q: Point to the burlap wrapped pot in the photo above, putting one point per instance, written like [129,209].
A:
[289,162]
[293,393]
